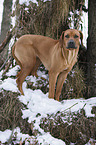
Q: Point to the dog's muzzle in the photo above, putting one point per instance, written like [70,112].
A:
[71,44]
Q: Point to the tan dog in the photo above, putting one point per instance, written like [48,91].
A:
[58,56]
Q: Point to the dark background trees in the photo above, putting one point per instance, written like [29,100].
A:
[91,48]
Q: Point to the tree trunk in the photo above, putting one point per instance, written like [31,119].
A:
[5,26]
[91,52]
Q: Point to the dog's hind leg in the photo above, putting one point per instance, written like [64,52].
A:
[35,68]
[25,71]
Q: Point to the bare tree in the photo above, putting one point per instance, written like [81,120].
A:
[5,26]
[91,52]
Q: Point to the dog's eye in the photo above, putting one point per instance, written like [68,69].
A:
[76,36]
[67,36]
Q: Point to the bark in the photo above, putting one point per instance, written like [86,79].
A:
[91,52]
[5,26]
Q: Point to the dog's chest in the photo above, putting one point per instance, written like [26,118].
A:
[71,58]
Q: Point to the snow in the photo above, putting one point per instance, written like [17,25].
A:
[5,135]
[27,1]
[47,139]
[85,25]
[9,85]
[1,72]
[13,71]
[38,103]
[20,135]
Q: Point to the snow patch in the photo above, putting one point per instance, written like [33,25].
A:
[5,135]
[9,85]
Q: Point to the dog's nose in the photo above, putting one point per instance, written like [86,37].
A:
[71,44]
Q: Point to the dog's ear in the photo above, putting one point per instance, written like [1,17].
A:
[61,40]
[81,37]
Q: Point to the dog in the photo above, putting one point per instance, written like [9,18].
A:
[58,56]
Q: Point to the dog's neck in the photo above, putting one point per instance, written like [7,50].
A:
[69,55]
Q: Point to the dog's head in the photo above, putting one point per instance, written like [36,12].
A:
[70,39]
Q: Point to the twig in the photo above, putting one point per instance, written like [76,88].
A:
[10,139]
[7,67]
[70,107]
[4,63]
[84,106]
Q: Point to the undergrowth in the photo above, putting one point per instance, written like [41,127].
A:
[70,127]
[11,113]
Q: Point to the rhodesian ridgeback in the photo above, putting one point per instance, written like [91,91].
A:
[58,56]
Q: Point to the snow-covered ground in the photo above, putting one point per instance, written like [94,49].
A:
[38,102]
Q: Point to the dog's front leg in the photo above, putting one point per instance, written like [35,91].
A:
[60,81]
[52,82]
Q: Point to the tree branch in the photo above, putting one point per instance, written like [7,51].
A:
[6,41]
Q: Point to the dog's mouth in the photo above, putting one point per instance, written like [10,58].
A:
[70,48]
[71,45]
